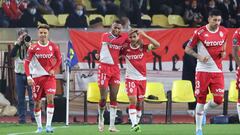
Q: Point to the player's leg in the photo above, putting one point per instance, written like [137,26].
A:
[140,98]
[201,87]
[49,84]
[114,83]
[113,105]
[217,89]
[103,79]
[132,96]
[37,95]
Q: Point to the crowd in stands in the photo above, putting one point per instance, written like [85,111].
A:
[28,13]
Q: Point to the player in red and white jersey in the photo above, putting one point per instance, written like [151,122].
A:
[109,73]
[40,65]
[135,53]
[211,45]
[235,52]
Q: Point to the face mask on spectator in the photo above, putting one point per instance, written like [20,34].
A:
[79,12]
[33,11]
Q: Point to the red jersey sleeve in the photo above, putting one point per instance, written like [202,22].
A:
[28,59]
[236,38]
[58,57]
[194,40]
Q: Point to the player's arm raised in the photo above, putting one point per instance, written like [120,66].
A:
[154,43]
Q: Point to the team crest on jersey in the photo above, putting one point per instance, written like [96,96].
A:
[50,48]
[221,34]
[111,37]
[235,40]
[128,50]
[38,49]
[205,35]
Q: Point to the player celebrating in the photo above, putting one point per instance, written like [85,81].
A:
[109,73]
[44,57]
[236,44]
[135,83]
[211,44]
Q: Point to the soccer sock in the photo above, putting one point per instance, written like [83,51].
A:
[199,116]
[113,111]
[50,111]
[139,114]
[132,114]
[238,110]
[38,117]
[100,113]
[209,105]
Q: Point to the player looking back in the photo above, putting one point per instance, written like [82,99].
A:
[109,73]
[44,58]
[135,52]
[211,44]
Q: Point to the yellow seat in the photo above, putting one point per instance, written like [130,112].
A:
[160,20]
[62,19]
[146,17]
[88,5]
[176,20]
[52,20]
[93,93]
[93,16]
[109,19]
[155,89]
[122,96]
[182,91]
[233,92]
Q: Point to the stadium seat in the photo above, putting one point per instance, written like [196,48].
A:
[88,5]
[182,92]
[62,19]
[122,96]
[177,20]
[108,19]
[52,20]
[146,17]
[156,90]
[233,92]
[93,93]
[93,16]
[160,20]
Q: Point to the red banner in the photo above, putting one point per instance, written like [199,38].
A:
[171,42]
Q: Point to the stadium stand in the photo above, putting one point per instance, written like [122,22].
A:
[161,20]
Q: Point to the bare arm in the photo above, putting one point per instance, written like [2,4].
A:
[155,44]
[235,54]
[223,53]
[191,52]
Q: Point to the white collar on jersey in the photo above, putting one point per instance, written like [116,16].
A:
[210,30]
[134,48]
[42,44]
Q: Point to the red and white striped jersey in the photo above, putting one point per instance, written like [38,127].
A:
[135,62]
[209,44]
[110,47]
[236,38]
[42,59]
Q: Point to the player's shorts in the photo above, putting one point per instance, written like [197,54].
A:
[213,81]
[43,86]
[136,88]
[108,74]
[238,78]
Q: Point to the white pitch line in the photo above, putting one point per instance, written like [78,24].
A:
[33,132]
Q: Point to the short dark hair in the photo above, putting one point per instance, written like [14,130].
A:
[117,21]
[43,26]
[215,12]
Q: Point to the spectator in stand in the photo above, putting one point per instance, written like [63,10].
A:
[126,24]
[228,13]
[107,7]
[69,6]
[31,17]
[97,24]
[13,10]
[193,15]
[3,19]
[77,19]
[57,6]
[44,7]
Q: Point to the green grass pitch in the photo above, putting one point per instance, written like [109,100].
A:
[150,129]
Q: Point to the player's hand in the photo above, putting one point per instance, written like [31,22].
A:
[30,81]
[141,32]
[203,59]
[97,56]
[223,54]
[51,72]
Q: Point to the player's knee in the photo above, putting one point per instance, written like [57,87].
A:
[102,103]
[201,99]
[218,100]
